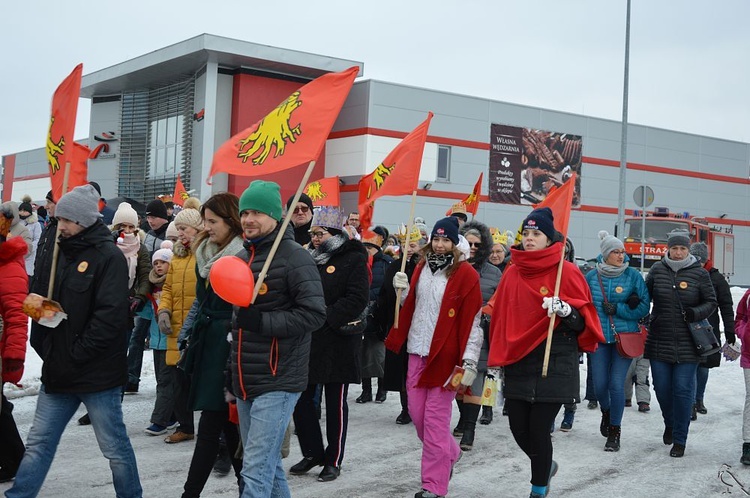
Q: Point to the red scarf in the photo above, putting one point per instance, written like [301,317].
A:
[519,323]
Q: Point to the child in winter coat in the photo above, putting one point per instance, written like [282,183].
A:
[741,329]
[162,418]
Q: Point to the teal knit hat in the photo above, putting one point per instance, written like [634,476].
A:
[264,197]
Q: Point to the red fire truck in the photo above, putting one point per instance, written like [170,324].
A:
[660,222]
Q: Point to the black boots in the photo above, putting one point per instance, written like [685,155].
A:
[677,451]
[366,395]
[486,418]
[667,436]
[382,394]
[604,425]
[458,431]
[613,439]
[745,459]
[471,413]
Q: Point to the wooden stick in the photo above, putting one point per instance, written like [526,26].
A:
[548,346]
[403,255]
[56,249]
[280,235]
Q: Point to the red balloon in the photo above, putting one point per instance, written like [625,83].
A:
[232,280]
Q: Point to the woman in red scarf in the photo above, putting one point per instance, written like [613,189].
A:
[525,302]
[439,322]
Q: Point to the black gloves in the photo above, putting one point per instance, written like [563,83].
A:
[136,304]
[730,337]
[689,315]
[609,308]
[633,301]
[249,319]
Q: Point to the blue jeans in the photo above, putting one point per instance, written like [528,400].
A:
[674,384]
[609,370]
[53,412]
[263,422]
[701,377]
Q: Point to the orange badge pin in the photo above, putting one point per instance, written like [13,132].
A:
[683,285]
[544,290]
[331,269]
[618,289]
[82,266]
[451,313]
[263,289]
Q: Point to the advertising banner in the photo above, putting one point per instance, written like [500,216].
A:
[525,164]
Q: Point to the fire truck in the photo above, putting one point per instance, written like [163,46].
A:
[660,222]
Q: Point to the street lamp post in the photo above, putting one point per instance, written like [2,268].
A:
[624,138]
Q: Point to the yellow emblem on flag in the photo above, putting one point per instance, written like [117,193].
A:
[273,131]
[54,148]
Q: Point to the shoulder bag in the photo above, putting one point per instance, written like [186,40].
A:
[629,344]
[702,333]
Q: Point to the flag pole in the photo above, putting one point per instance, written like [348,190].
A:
[56,249]
[551,328]
[280,235]
[403,255]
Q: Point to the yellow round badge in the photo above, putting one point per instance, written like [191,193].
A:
[683,285]
[544,290]
[618,289]
[263,289]
[451,313]
[330,269]
[82,266]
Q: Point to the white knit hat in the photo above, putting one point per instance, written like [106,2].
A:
[172,231]
[125,214]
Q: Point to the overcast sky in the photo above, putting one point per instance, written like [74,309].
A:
[689,59]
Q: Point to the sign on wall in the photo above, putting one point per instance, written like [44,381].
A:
[525,164]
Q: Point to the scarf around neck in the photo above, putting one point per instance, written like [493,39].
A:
[439,261]
[129,243]
[323,253]
[611,271]
[207,253]
[678,265]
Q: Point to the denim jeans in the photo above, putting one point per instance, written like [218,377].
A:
[263,422]
[674,384]
[53,412]
[135,349]
[701,377]
[609,370]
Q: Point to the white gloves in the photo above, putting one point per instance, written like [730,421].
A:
[470,372]
[556,305]
[400,281]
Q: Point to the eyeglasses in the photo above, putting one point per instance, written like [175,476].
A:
[475,244]
[301,209]
[318,234]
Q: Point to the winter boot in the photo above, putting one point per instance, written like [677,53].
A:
[223,462]
[382,394]
[458,431]
[366,395]
[604,425]
[694,413]
[486,418]
[471,413]
[677,451]
[567,422]
[745,459]
[700,407]
[613,439]
[667,436]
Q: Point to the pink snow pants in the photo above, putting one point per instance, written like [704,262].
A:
[430,410]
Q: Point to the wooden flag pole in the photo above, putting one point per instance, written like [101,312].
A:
[56,249]
[403,255]
[280,235]
[548,346]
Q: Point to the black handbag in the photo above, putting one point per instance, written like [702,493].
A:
[702,333]
[356,326]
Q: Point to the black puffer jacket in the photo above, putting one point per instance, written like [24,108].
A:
[40,281]
[726,308]
[669,338]
[335,357]
[380,264]
[489,275]
[291,305]
[87,351]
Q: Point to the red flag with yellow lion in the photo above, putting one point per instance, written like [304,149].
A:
[180,194]
[324,192]
[290,135]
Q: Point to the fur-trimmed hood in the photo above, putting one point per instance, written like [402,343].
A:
[483,253]
[12,248]
[14,207]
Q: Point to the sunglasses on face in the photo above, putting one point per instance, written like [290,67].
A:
[318,234]
[301,209]
[475,244]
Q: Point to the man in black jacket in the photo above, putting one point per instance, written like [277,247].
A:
[272,338]
[84,356]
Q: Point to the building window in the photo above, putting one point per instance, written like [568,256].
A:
[444,163]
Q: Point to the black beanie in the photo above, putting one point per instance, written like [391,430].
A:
[302,198]
[541,219]
[26,206]
[448,228]
[49,197]
[157,209]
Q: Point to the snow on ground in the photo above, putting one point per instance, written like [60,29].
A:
[382,458]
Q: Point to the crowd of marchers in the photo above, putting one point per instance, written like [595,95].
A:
[436,314]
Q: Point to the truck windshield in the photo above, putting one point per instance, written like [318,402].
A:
[656,229]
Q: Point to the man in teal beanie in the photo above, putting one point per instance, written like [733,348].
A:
[271,338]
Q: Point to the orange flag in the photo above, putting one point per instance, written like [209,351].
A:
[560,201]
[290,135]
[79,166]
[180,194]
[471,201]
[324,191]
[398,174]
[62,124]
